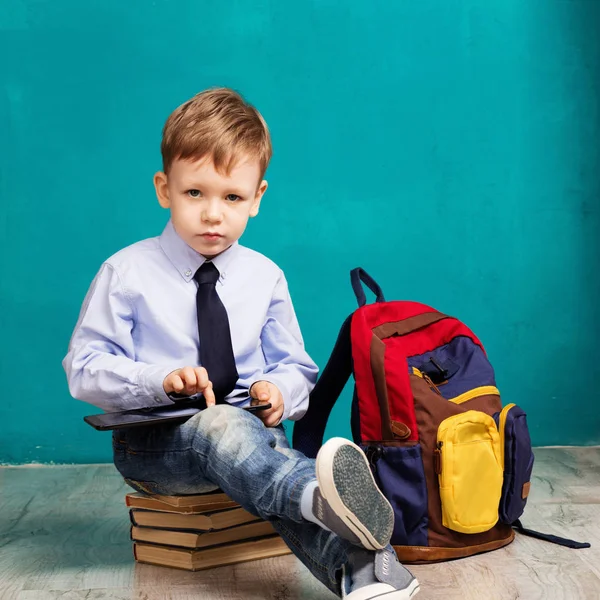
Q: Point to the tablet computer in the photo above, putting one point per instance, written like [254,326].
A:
[155,415]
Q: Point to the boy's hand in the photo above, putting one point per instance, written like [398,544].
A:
[190,381]
[262,392]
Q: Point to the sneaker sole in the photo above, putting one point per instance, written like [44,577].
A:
[372,519]
[371,594]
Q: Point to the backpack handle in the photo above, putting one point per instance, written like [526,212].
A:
[356,276]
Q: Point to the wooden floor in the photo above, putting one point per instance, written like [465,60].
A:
[64,534]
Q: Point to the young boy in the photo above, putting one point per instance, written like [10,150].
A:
[192,312]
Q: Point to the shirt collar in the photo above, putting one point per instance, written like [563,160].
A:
[186,260]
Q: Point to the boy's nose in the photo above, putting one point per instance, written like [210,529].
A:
[212,212]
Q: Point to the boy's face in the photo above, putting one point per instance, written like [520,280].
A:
[210,210]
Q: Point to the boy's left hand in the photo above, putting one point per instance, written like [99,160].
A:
[262,392]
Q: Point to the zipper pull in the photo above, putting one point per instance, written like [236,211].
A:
[432,385]
[437,458]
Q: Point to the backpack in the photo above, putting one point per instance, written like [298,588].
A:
[453,462]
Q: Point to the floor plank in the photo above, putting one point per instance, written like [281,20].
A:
[64,533]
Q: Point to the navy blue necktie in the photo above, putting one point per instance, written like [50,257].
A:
[216,351]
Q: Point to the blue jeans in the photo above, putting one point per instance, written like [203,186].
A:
[226,447]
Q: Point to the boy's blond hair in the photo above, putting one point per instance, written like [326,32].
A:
[218,123]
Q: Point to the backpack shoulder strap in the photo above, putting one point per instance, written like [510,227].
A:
[554,539]
[309,431]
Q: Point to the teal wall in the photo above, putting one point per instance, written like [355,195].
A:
[450,148]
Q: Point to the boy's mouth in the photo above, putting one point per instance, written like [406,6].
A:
[211,236]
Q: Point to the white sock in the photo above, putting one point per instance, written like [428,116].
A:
[306,504]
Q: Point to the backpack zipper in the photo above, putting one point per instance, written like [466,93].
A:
[502,426]
[427,380]
[484,390]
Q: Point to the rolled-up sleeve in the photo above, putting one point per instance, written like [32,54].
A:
[288,366]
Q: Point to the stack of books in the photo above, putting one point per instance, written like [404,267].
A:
[198,532]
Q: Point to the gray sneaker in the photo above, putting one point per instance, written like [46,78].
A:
[348,501]
[369,576]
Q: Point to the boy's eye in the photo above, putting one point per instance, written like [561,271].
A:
[193,193]
[233,197]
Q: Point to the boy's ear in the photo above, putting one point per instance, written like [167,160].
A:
[162,191]
[262,188]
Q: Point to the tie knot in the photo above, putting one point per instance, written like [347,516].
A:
[207,273]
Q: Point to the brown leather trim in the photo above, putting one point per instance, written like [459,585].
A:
[400,430]
[430,411]
[423,554]
[378,370]
[407,325]
[526,488]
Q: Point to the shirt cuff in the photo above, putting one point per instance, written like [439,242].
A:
[287,401]
[151,383]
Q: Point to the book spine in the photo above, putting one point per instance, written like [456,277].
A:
[132,518]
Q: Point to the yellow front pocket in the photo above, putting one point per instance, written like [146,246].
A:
[470,471]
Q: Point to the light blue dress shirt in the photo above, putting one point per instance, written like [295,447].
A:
[139,322]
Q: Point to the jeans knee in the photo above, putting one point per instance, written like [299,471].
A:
[229,433]
[213,419]
[223,424]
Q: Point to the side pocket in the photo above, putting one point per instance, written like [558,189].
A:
[517,461]
[118,446]
[469,459]
[398,471]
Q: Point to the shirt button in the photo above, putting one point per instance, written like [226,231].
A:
[188,273]
[157,398]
